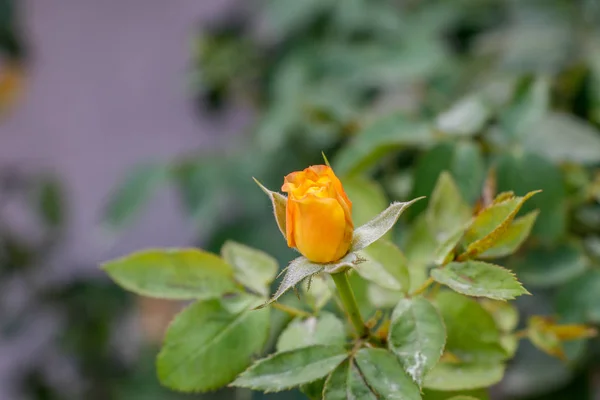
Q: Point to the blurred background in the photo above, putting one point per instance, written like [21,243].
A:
[127,124]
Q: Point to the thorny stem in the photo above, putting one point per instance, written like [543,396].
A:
[349,302]
[296,312]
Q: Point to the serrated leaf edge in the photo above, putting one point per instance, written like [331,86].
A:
[525,291]
[272,195]
[271,356]
[485,243]
[360,241]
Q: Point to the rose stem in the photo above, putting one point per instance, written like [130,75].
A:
[349,301]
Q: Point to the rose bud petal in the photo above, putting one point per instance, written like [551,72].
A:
[318,215]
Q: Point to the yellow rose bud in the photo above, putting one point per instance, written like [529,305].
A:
[318,214]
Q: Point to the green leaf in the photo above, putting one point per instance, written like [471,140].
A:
[449,376]
[299,269]
[478,394]
[326,329]
[546,267]
[383,298]
[476,278]
[427,170]
[446,248]
[385,265]
[510,344]
[463,160]
[563,137]
[464,118]
[381,65]
[314,390]
[210,343]
[346,382]
[472,334]
[524,172]
[417,336]
[421,249]
[504,313]
[579,300]
[368,198]
[378,226]
[135,189]
[253,268]
[447,210]
[173,274]
[512,238]
[291,368]
[381,137]
[383,373]
[279,203]
[491,225]
[468,169]
[530,108]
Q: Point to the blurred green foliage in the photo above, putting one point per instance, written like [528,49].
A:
[69,323]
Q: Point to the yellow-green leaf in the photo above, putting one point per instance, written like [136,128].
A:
[543,338]
[512,238]
[491,224]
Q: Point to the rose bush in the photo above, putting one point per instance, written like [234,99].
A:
[413,341]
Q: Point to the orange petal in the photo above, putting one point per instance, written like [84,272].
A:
[289,222]
[320,230]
